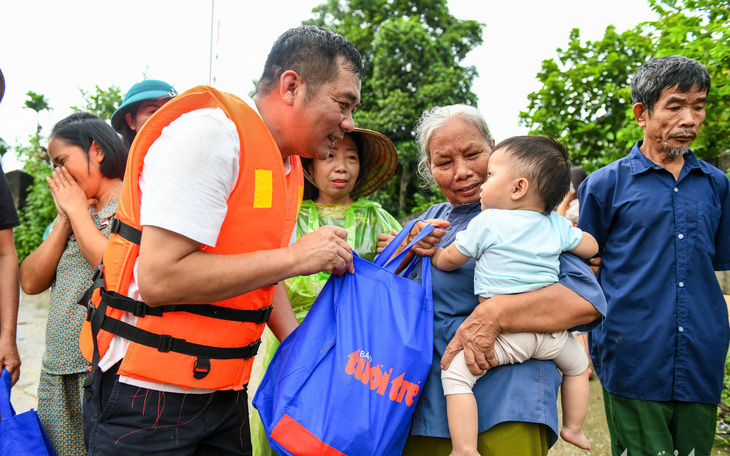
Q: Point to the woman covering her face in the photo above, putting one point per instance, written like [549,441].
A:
[89,160]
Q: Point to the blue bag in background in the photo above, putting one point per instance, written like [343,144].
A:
[346,381]
[20,435]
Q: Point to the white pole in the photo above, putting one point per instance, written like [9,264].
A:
[212,21]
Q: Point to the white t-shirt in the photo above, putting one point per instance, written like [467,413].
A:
[188,175]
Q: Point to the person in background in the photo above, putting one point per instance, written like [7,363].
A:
[89,160]
[517,403]
[9,293]
[141,101]
[568,208]
[662,220]
[335,193]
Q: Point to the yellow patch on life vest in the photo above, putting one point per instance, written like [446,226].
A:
[299,198]
[263,188]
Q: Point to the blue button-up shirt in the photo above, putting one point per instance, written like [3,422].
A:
[665,336]
[526,392]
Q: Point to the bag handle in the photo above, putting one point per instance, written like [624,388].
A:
[426,279]
[383,260]
[6,409]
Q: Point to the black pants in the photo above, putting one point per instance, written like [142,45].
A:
[127,420]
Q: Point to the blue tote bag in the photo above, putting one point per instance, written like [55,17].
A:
[20,435]
[346,381]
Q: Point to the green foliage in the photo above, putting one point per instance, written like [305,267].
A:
[3,147]
[586,99]
[412,51]
[37,102]
[102,102]
[39,210]
[700,29]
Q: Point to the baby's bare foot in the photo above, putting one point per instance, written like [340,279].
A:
[576,438]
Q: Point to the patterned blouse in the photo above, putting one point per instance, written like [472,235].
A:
[65,316]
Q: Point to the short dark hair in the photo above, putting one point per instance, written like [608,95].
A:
[82,128]
[313,53]
[667,72]
[544,162]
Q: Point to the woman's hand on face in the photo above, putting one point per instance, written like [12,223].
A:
[67,194]
[476,337]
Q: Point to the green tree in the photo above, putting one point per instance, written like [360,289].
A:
[700,29]
[100,102]
[37,102]
[413,52]
[586,98]
[39,210]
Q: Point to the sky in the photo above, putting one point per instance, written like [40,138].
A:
[58,47]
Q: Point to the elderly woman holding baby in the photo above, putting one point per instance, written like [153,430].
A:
[517,402]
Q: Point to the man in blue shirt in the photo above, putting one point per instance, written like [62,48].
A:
[662,221]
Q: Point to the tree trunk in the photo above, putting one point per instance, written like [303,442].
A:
[404,178]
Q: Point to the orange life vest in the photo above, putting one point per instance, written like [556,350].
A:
[223,336]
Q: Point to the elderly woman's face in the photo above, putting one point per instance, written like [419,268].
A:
[459,158]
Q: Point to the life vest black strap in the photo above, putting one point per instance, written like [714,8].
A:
[166,343]
[162,342]
[97,281]
[140,309]
[128,232]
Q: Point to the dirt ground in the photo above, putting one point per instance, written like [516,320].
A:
[597,432]
[31,327]
[31,343]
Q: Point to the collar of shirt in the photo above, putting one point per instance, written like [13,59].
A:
[639,162]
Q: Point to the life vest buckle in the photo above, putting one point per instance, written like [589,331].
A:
[266,314]
[140,309]
[201,368]
[165,343]
[89,311]
[114,225]
[98,273]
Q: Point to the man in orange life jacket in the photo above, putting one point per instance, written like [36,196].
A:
[204,229]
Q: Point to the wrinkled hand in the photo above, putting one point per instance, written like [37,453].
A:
[10,359]
[384,240]
[594,263]
[476,337]
[68,196]
[427,246]
[324,249]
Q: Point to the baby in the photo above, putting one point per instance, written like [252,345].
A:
[516,241]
